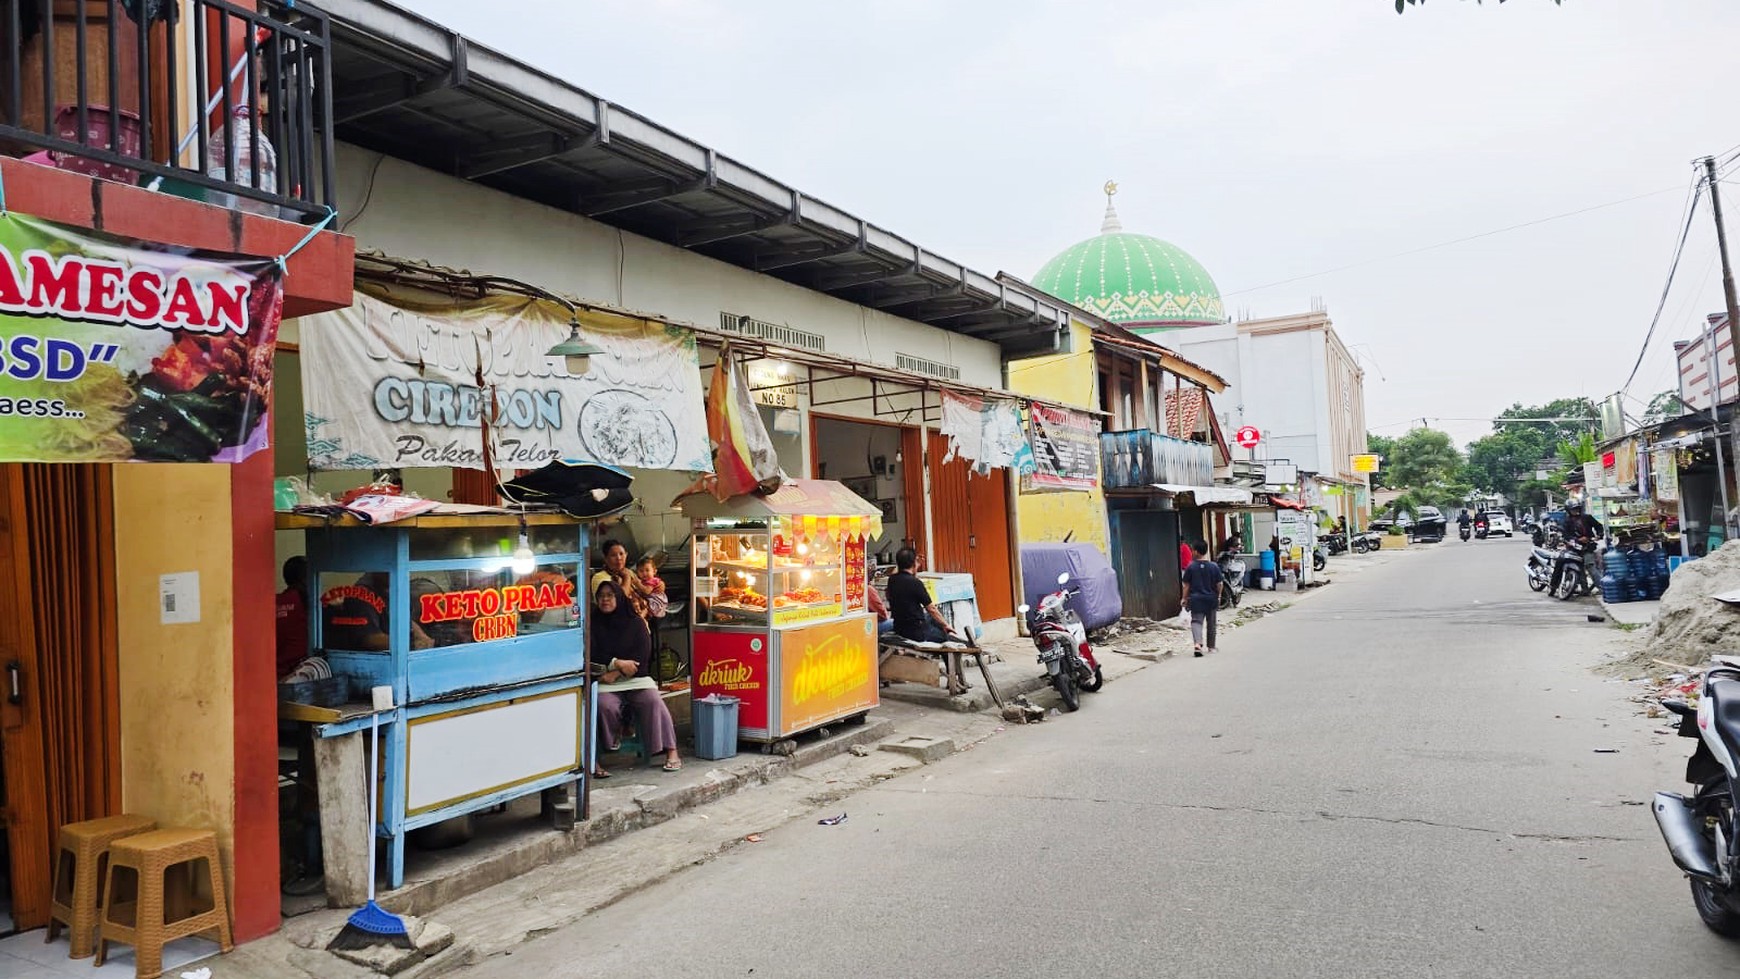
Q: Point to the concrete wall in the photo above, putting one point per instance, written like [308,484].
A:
[1069,378]
[177,694]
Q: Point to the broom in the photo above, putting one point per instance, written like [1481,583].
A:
[371,924]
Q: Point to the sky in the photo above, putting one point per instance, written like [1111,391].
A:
[1271,139]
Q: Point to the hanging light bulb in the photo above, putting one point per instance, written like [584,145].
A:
[575,352]
[525,560]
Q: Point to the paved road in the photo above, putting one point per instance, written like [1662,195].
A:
[1396,777]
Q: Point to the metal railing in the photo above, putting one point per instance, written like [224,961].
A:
[1140,459]
[146,88]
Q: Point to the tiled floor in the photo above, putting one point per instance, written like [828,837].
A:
[26,956]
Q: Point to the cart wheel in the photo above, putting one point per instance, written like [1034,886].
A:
[858,719]
[822,732]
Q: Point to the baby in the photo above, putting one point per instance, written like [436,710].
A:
[656,602]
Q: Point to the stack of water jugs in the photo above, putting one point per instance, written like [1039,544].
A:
[1633,573]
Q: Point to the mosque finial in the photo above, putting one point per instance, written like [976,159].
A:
[1110,225]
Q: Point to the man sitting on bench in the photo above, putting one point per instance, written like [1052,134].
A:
[916,617]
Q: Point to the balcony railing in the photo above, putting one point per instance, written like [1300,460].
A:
[1141,459]
[202,98]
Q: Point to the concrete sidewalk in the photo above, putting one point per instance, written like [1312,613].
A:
[518,878]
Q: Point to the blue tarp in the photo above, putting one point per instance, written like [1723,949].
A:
[1099,604]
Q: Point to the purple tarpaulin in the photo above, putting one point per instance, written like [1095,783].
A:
[1099,604]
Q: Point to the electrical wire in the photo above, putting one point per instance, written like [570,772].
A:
[1673,267]
[1446,244]
[368,195]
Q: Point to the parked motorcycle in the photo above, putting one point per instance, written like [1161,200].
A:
[1336,541]
[1540,568]
[1232,570]
[1575,570]
[1700,829]
[1367,542]
[1061,638]
[1319,558]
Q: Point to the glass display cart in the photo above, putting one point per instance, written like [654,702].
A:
[779,615]
[473,621]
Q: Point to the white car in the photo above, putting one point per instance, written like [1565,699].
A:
[1497,523]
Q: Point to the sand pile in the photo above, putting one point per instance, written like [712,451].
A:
[1690,626]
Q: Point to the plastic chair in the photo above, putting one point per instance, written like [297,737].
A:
[81,861]
[147,909]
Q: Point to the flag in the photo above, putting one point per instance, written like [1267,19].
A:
[743,457]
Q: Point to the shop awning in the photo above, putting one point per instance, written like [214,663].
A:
[807,506]
[1205,495]
[1286,503]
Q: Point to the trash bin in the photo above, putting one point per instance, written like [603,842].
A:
[715,720]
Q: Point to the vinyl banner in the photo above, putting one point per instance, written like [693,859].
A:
[1066,450]
[116,350]
[403,383]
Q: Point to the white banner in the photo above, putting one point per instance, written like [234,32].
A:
[390,385]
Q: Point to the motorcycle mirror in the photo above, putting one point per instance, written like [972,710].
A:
[1024,608]
[1063,579]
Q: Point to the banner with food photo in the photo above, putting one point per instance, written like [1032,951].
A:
[1066,450]
[117,350]
[396,381]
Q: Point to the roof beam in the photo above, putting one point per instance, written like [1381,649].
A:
[651,192]
[515,153]
[354,106]
[847,280]
[786,258]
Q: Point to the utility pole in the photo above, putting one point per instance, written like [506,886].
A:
[1722,245]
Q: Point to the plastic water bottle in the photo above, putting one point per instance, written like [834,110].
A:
[221,161]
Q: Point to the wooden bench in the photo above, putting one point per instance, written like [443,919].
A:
[902,661]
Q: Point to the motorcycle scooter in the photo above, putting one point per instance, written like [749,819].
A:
[1061,638]
[1700,829]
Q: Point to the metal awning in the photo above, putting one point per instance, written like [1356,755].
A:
[408,87]
[1206,495]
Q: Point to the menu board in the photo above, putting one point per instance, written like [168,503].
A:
[854,573]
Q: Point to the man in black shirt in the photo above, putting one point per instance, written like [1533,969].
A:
[915,615]
[1202,582]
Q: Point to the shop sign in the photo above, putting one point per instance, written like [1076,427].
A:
[770,388]
[117,350]
[412,384]
[1248,437]
[1066,450]
[1367,463]
[734,664]
[494,613]
[829,671]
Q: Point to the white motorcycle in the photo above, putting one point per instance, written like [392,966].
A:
[1061,638]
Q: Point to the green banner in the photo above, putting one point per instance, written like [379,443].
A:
[116,350]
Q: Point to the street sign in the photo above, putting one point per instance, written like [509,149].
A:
[1248,437]
[1367,463]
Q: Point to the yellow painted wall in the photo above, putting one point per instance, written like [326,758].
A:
[177,681]
[1069,379]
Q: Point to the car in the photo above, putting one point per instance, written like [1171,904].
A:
[1498,523]
[1429,525]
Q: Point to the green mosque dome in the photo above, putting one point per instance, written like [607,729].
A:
[1133,280]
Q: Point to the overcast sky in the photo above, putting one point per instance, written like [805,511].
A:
[1269,138]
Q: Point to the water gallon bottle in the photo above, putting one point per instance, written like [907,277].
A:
[221,161]
[1642,573]
[1613,562]
[1612,590]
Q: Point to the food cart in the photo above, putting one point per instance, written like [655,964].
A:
[473,622]
[779,616]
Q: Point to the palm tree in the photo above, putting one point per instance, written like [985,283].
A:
[1575,454]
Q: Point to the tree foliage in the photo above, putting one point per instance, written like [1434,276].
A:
[1506,461]
[1402,5]
[1385,447]
[1575,453]
[1664,407]
[1422,459]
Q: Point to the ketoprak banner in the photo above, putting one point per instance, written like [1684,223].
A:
[408,383]
[115,350]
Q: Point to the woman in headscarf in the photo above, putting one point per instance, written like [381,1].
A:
[622,648]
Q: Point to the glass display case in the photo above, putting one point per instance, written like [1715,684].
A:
[779,615]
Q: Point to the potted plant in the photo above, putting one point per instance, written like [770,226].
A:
[1397,537]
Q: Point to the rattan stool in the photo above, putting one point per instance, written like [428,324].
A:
[147,912]
[80,863]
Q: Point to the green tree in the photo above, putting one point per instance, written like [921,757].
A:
[1663,407]
[1423,459]
[1575,453]
[1384,447]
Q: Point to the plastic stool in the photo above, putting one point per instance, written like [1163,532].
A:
[80,863]
[141,898]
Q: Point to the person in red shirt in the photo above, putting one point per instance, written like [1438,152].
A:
[293,615]
[1185,555]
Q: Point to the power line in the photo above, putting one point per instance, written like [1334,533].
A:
[1446,244]
[1679,249]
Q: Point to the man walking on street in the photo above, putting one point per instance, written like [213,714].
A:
[1202,583]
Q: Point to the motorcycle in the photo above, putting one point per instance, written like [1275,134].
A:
[1367,542]
[1233,571]
[1462,531]
[1575,570]
[1540,568]
[1319,558]
[1061,638]
[1336,541]
[1699,829]
[1481,530]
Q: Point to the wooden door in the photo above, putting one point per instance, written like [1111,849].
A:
[970,528]
[59,714]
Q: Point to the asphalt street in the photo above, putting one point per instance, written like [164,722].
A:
[1413,772]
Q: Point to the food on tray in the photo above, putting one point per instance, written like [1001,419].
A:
[803,596]
[746,597]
